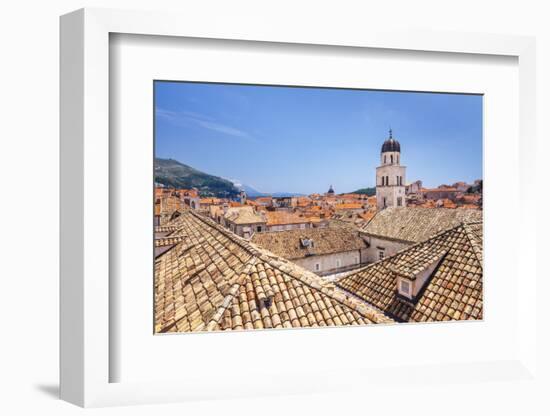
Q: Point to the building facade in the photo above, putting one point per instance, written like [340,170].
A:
[438,279]
[323,251]
[390,176]
[283,220]
[244,221]
[414,188]
[393,229]
[189,197]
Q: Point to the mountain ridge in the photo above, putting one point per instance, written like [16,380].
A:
[172,173]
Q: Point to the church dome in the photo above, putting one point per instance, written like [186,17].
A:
[391,145]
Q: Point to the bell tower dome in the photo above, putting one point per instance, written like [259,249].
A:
[390,175]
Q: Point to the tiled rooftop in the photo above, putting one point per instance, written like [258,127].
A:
[283,217]
[168,241]
[417,224]
[454,291]
[244,215]
[210,201]
[348,205]
[215,280]
[288,244]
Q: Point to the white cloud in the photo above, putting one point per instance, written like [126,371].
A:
[202,121]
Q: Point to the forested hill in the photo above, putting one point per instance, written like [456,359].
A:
[365,191]
[171,173]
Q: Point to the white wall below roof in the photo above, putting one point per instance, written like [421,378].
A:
[29,352]
[286,227]
[389,247]
[327,262]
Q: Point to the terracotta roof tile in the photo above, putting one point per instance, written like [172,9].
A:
[215,280]
[417,224]
[244,215]
[288,244]
[453,291]
[283,217]
[349,205]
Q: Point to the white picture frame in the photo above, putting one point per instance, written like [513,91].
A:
[86,356]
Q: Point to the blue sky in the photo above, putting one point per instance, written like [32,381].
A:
[284,139]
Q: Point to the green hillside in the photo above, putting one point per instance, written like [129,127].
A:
[171,173]
[365,191]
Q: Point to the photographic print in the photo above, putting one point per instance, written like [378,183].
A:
[299,207]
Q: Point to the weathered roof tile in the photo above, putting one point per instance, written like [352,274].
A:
[215,280]
[453,291]
[418,224]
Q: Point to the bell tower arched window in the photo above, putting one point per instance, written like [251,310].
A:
[391,159]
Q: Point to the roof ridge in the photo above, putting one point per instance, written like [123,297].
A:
[404,249]
[473,222]
[372,218]
[230,296]
[328,288]
[478,251]
[312,281]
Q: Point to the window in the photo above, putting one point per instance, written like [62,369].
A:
[384,158]
[259,228]
[317,267]
[356,260]
[338,263]
[391,158]
[387,180]
[381,255]
[405,287]
[384,201]
[399,201]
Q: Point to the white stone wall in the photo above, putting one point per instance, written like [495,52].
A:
[193,203]
[328,263]
[393,189]
[284,227]
[389,247]
[414,188]
[390,158]
[246,230]
[391,193]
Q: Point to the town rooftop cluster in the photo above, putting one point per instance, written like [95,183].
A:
[406,254]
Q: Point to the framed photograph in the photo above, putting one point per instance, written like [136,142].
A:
[323,209]
[266,242]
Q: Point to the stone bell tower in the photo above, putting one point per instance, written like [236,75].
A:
[390,176]
[242,197]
